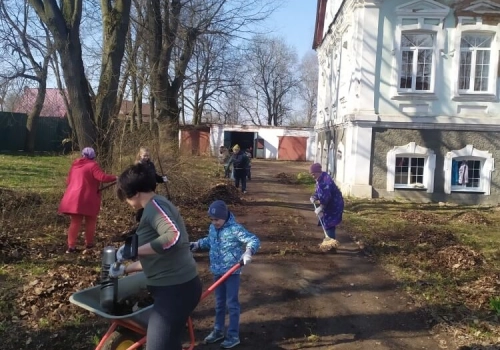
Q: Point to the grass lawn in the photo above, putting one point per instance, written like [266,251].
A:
[39,173]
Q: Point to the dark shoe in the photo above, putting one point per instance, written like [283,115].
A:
[214,336]
[90,246]
[71,250]
[229,343]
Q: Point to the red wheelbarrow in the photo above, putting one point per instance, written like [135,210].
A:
[128,332]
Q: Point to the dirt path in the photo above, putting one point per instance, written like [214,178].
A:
[295,297]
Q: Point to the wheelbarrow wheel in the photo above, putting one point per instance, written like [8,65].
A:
[121,340]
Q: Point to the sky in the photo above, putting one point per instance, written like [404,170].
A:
[295,21]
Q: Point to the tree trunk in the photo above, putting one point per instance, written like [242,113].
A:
[169,118]
[78,94]
[33,116]
[115,26]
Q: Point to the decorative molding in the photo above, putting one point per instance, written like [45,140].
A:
[411,149]
[475,98]
[484,7]
[415,97]
[487,166]
[423,8]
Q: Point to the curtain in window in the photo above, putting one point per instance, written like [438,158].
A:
[454,173]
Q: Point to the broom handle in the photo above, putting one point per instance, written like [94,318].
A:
[321,222]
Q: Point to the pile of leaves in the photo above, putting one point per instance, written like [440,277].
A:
[421,217]
[46,295]
[477,294]
[12,200]
[222,191]
[436,238]
[458,257]
[473,217]
[285,178]
[12,247]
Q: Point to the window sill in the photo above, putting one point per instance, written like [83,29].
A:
[475,98]
[414,97]
[467,190]
[413,188]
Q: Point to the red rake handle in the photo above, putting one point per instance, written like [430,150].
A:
[222,279]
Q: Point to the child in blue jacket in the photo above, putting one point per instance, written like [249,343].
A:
[228,243]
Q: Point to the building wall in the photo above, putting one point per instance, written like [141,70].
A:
[440,142]
[444,101]
[269,134]
[358,87]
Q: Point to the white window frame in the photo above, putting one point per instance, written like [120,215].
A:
[411,150]
[414,63]
[465,27]
[469,153]
[406,12]
[473,65]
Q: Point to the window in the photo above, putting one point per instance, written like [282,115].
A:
[409,171]
[475,51]
[465,173]
[468,170]
[419,34]
[410,167]
[416,61]
[475,61]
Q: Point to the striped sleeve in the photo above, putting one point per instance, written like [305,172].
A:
[168,232]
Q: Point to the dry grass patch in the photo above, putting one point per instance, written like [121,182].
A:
[445,257]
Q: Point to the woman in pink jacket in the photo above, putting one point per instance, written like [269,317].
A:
[82,198]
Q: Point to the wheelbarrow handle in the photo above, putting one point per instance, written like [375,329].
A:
[221,280]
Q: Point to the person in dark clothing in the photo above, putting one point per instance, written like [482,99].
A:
[249,167]
[239,161]
[144,157]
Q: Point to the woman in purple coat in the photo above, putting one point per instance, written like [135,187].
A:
[331,203]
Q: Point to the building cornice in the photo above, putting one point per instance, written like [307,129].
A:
[437,122]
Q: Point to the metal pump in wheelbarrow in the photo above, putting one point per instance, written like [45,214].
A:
[109,285]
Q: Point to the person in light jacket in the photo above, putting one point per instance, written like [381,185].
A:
[228,242]
[82,198]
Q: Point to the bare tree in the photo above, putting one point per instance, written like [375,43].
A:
[308,87]
[175,27]
[10,94]
[91,118]
[272,81]
[211,73]
[27,40]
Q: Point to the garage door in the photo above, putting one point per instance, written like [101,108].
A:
[195,142]
[292,148]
